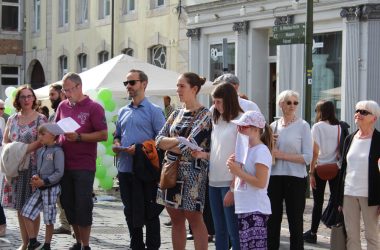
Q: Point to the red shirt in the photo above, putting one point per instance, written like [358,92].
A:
[90,116]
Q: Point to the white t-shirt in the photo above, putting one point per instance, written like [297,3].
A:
[248,198]
[247,105]
[356,182]
[326,136]
[223,137]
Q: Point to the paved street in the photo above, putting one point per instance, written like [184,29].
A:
[110,231]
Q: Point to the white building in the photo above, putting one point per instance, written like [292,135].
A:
[346,54]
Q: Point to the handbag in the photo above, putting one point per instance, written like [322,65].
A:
[169,172]
[330,170]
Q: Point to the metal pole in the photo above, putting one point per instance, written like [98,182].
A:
[112,26]
[309,59]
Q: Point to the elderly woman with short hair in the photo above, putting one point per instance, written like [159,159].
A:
[359,185]
[292,152]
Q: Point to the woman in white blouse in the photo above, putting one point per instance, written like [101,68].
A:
[292,152]
[359,187]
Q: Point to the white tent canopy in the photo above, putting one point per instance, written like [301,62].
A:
[111,75]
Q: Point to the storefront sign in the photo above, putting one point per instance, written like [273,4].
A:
[288,34]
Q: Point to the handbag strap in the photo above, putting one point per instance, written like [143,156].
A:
[187,133]
[337,147]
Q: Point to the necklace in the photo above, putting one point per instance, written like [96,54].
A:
[288,123]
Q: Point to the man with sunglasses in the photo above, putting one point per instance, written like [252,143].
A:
[80,148]
[246,105]
[2,114]
[137,122]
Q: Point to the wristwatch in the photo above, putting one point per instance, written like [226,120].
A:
[79,137]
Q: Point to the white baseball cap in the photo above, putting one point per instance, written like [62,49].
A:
[251,118]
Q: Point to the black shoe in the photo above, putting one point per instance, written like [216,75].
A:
[310,237]
[35,246]
[76,246]
[61,230]
[190,237]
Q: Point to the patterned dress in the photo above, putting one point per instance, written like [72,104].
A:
[189,193]
[16,191]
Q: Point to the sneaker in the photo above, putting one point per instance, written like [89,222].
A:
[61,230]
[190,237]
[36,246]
[45,247]
[76,246]
[309,237]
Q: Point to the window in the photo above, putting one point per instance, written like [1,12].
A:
[158,56]
[128,6]
[37,15]
[63,12]
[82,62]
[103,56]
[9,75]
[160,3]
[62,70]
[82,11]
[216,60]
[127,51]
[10,15]
[104,8]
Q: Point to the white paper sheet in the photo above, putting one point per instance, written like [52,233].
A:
[241,148]
[187,143]
[66,125]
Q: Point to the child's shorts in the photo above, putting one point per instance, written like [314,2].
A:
[42,200]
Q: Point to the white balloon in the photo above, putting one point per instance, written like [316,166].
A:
[91,93]
[9,91]
[112,172]
[107,161]
[108,116]
[8,102]
[101,150]
[111,127]
[96,184]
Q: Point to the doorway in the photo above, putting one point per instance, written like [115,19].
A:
[272,91]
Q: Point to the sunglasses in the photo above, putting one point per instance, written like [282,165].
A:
[131,82]
[363,112]
[295,103]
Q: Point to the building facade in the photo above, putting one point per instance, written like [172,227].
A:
[234,36]
[11,44]
[67,35]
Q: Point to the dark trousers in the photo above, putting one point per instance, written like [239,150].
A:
[318,197]
[2,216]
[292,190]
[153,239]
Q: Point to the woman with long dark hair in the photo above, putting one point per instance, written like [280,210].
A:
[327,133]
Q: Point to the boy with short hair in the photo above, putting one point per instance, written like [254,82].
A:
[50,168]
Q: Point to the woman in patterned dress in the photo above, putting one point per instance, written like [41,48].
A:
[22,127]
[186,200]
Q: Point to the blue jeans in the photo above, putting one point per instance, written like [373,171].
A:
[225,220]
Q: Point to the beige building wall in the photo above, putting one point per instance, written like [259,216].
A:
[139,30]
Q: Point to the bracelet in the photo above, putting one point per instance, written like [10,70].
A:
[79,137]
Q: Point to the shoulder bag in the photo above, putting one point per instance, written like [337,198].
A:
[169,172]
[330,170]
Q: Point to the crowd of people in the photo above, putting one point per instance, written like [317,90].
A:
[232,166]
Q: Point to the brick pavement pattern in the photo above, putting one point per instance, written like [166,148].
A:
[110,231]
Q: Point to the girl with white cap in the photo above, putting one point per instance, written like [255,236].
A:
[252,204]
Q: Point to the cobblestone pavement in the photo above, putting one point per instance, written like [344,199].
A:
[109,230]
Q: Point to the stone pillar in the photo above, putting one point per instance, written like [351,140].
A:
[194,50]
[241,29]
[361,57]
[290,67]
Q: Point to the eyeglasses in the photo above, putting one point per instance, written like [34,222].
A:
[363,112]
[295,103]
[70,90]
[24,97]
[131,82]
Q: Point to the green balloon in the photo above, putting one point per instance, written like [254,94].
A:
[8,111]
[106,183]
[101,172]
[109,151]
[99,161]
[104,94]
[109,105]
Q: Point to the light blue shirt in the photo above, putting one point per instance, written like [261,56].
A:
[136,125]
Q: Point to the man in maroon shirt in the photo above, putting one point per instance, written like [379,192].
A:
[80,156]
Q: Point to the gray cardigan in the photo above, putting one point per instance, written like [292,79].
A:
[50,164]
